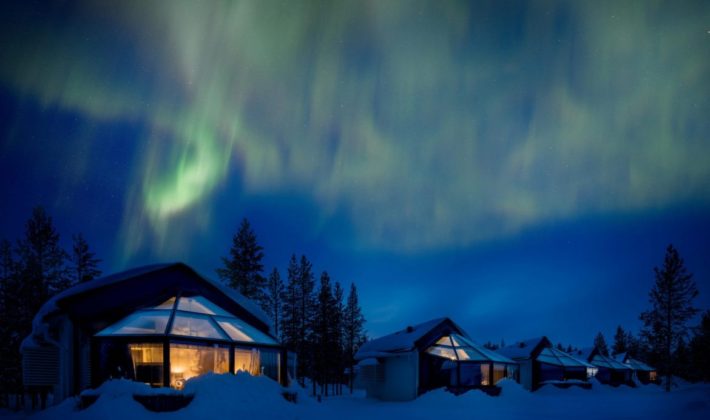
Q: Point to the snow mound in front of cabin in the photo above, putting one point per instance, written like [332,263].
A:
[238,396]
[214,395]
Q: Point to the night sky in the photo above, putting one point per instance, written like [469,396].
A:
[517,166]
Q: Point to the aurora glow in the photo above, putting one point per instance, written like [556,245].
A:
[423,126]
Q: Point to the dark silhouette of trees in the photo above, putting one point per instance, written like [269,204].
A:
[600,344]
[31,272]
[671,298]
[354,332]
[243,268]
[85,265]
[274,300]
[620,341]
[299,309]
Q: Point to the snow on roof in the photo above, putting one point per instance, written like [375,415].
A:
[398,342]
[51,306]
[521,349]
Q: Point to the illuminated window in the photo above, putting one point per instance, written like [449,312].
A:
[147,363]
[257,362]
[498,372]
[188,360]
[247,360]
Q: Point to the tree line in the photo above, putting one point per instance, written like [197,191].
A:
[33,269]
[317,322]
[666,341]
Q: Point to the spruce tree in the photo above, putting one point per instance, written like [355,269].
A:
[671,298]
[85,265]
[243,268]
[289,327]
[274,300]
[306,308]
[600,344]
[353,323]
[338,335]
[42,270]
[620,343]
[322,333]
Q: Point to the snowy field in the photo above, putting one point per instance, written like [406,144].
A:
[242,396]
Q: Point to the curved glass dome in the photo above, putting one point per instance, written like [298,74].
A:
[193,316]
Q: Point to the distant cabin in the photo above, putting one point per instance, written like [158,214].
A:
[159,324]
[640,370]
[433,354]
[609,371]
[542,364]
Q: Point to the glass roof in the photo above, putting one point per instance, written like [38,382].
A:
[553,356]
[194,316]
[458,347]
[599,360]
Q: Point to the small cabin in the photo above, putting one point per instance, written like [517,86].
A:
[159,324]
[542,364]
[609,371]
[642,372]
[430,355]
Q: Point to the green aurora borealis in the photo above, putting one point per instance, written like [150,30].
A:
[425,125]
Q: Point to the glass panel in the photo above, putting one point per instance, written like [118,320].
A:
[188,360]
[485,374]
[200,305]
[446,341]
[470,374]
[464,354]
[247,360]
[152,322]
[270,364]
[239,330]
[498,372]
[168,304]
[195,326]
[441,351]
[147,363]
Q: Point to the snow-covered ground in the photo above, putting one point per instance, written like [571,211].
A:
[243,396]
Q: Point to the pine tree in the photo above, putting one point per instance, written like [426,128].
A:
[338,335]
[671,298]
[700,349]
[353,323]
[322,332]
[600,344]
[84,261]
[620,342]
[306,307]
[633,345]
[289,327]
[299,307]
[243,268]
[42,267]
[274,299]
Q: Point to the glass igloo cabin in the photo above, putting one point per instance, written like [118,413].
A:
[161,325]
